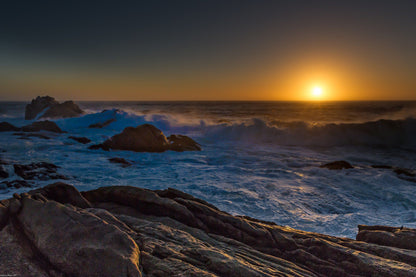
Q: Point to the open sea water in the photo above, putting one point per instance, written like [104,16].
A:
[259,159]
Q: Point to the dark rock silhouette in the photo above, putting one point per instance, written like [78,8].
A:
[129,231]
[82,140]
[7,127]
[147,138]
[51,108]
[34,127]
[42,126]
[404,171]
[3,173]
[38,105]
[337,165]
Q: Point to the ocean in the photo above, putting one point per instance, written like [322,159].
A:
[259,159]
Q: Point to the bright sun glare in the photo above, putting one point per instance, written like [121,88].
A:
[317,92]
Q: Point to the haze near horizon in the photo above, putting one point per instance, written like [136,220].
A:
[209,50]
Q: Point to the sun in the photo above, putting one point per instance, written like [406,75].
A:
[317,92]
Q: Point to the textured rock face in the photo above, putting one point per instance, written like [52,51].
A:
[66,109]
[38,105]
[128,231]
[54,108]
[143,138]
[147,138]
[389,236]
[183,143]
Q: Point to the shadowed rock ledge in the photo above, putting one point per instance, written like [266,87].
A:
[129,231]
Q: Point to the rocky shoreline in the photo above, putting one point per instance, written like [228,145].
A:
[128,231]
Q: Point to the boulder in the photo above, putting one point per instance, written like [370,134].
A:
[76,242]
[38,105]
[147,138]
[51,108]
[7,127]
[337,165]
[82,140]
[42,126]
[63,193]
[63,110]
[183,143]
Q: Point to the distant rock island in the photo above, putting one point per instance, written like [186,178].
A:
[48,107]
[128,231]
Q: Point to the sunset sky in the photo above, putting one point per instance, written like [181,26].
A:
[208,50]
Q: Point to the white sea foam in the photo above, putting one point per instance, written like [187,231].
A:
[267,169]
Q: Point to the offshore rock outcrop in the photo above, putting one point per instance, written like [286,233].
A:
[129,231]
[51,108]
[37,126]
[147,138]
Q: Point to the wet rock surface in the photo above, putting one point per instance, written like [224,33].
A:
[121,161]
[183,143]
[17,184]
[129,231]
[82,140]
[38,171]
[102,124]
[42,126]
[147,138]
[51,108]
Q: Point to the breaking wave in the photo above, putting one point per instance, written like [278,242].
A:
[380,133]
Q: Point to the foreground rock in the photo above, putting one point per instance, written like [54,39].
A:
[128,231]
[51,108]
[147,138]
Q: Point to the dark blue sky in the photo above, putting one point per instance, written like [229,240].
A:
[194,50]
